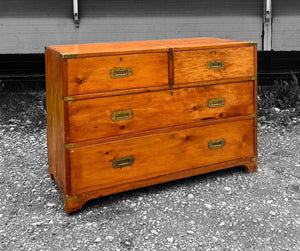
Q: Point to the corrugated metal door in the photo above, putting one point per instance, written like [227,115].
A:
[27,26]
[286,25]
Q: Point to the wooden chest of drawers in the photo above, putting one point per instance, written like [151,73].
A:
[127,115]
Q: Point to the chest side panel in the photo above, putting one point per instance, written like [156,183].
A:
[56,118]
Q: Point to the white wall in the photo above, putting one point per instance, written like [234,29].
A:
[28,26]
[286,25]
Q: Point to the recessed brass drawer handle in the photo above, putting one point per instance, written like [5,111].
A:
[120,72]
[215,144]
[216,102]
[215,65]
[122,162]
[122,115]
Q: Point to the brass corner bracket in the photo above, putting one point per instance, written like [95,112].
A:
[71,145]
[68,55]
[68,98]
[71,199]
[170,53]
[252,43]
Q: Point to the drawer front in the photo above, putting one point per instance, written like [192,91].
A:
[110,116]
[215,64]
[119,162]
[109,73]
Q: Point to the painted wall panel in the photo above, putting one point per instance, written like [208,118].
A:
[28,28]
[286,25]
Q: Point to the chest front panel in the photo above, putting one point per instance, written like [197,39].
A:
[111,116]
[216,64]
[110,73]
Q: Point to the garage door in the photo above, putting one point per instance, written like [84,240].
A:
[286,25]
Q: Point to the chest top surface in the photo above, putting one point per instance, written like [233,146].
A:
[101,49]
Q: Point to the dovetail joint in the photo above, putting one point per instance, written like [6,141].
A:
[68,98]
[253,159]
[69,55]
[71,199]
[71,145]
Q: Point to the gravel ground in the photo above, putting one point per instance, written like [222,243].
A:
[224,210]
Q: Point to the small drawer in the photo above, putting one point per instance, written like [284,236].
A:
[213,64]
[110,73]
[119,162]
[117,115]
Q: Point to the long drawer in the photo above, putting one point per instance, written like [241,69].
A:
[110,116]
[118,162]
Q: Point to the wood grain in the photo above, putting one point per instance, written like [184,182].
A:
[91,118]
[255,105]
[158,154]
[205,122]
[81,198]
[191,66]
[117,48]
[89,75]
[56,119]
[171,130]
[157,88]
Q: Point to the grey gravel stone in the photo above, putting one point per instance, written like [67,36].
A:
[170,239]
[191,196]
[153,231]
[109,238]
[224,210]
[98,239]
[49,204]
[208,206]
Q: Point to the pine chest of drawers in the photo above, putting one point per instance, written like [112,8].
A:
[127,115]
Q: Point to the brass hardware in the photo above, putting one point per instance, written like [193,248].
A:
[123,162]
[170,53]
[71,145]
[214,144]
[122,115]
[253,159]
[71,199]
[120,72]
[171,84]
[253,116]
[171,68]
[252,43]
[68,55]
[216,102]
[253,78]
[68,98]
[215,65]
